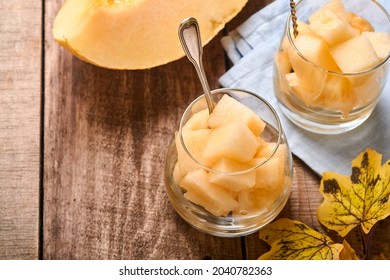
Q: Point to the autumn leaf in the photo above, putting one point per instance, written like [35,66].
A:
[348,253]
[293,240]
[360,199]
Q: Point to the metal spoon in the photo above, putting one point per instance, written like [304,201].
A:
[189,36]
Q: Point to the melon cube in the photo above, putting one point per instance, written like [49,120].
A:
[368,87]
[316,51]
[306,95]
[380,41]
[282,62]
[213,198]
[270,175]
[234,141]
[265,150]
[254,200]
[198,121]
[338,8]
[355,55]
[195,141]
[303,29]
[177,176]
[232,183]
[330,28]
[313,49]
[229,110]
[337,94]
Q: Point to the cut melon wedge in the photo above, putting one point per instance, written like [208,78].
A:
[136,34]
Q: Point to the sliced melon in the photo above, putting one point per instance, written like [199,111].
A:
[136,34]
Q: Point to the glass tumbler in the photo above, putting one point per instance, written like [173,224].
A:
[329,78]
[232,197]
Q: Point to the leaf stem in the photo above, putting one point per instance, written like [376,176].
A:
[367,242]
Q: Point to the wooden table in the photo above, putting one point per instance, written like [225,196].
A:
[82,152]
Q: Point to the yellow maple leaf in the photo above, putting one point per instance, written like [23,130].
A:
[360,199]
[293,240]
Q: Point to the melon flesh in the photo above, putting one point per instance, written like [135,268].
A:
[355,55]
[195,141]
[136,34]
[331,28]
[232,183]
[234,141]
[200,191]
[230,110]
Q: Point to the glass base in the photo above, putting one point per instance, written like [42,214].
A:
[322,128]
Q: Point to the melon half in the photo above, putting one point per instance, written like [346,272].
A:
[136,34]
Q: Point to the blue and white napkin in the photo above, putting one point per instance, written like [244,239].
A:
[251,47]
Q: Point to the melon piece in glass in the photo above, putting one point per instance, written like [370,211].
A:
[337,94]
[270,175]
[355,55]
[199,120]
[380,41]
[234,141]
[232,182]
[330,28]
[229,110]
[213,198]
[195,142]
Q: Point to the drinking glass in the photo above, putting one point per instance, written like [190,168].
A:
[262,202]
[318,98]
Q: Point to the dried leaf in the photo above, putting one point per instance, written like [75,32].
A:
[348,253]
[293,240]
[360,199]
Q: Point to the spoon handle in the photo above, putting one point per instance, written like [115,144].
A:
[189,36]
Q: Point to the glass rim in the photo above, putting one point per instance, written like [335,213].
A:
[232,173]
[291,41]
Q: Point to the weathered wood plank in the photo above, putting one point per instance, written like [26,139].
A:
[20,99]
[106,135]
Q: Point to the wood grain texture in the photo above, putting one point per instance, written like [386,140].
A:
[106,135]
[20,99]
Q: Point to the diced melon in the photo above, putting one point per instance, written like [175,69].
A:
[229,110]
[308,96]
[355,55]
[254,200]
[380,41]
[177,176]
[303,29]
[330,28]
[282,62]
[313,49]
[316,51]
[270,175]
[359,23]
[337,94]
[368,86]
[232,183]
[265,150]
[338,8]
[195,141]
[260,140]
[234,141]
[198,121]
[213,198]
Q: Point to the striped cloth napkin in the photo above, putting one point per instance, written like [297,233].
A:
[251,48]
